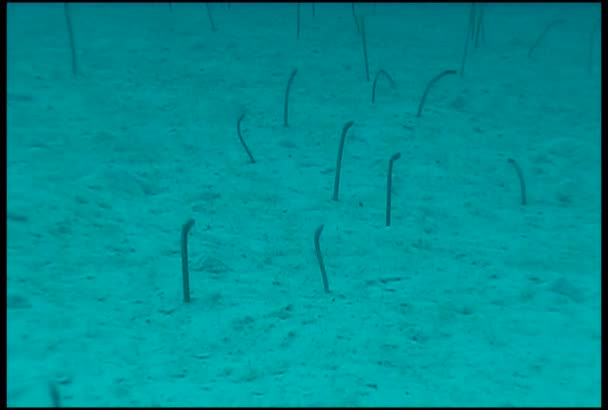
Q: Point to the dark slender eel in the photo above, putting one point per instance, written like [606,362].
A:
[339,161]
[520,175]
[471,34]
[210,17]
[479,30]
[428,87]
[298,23]
[286,104]
[543,34]
[185,275]
[71,36]
[355,17]
[55,396]
[320,258]
[238,130]
[472,19]
[389,186]
[388,77]
[364,42]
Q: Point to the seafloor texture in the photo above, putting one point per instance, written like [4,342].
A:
[469,298]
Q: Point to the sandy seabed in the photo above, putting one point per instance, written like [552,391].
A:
[469,298]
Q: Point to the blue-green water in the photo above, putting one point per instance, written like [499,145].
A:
[470,298]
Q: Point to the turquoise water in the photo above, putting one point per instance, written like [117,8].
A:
[479,293]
